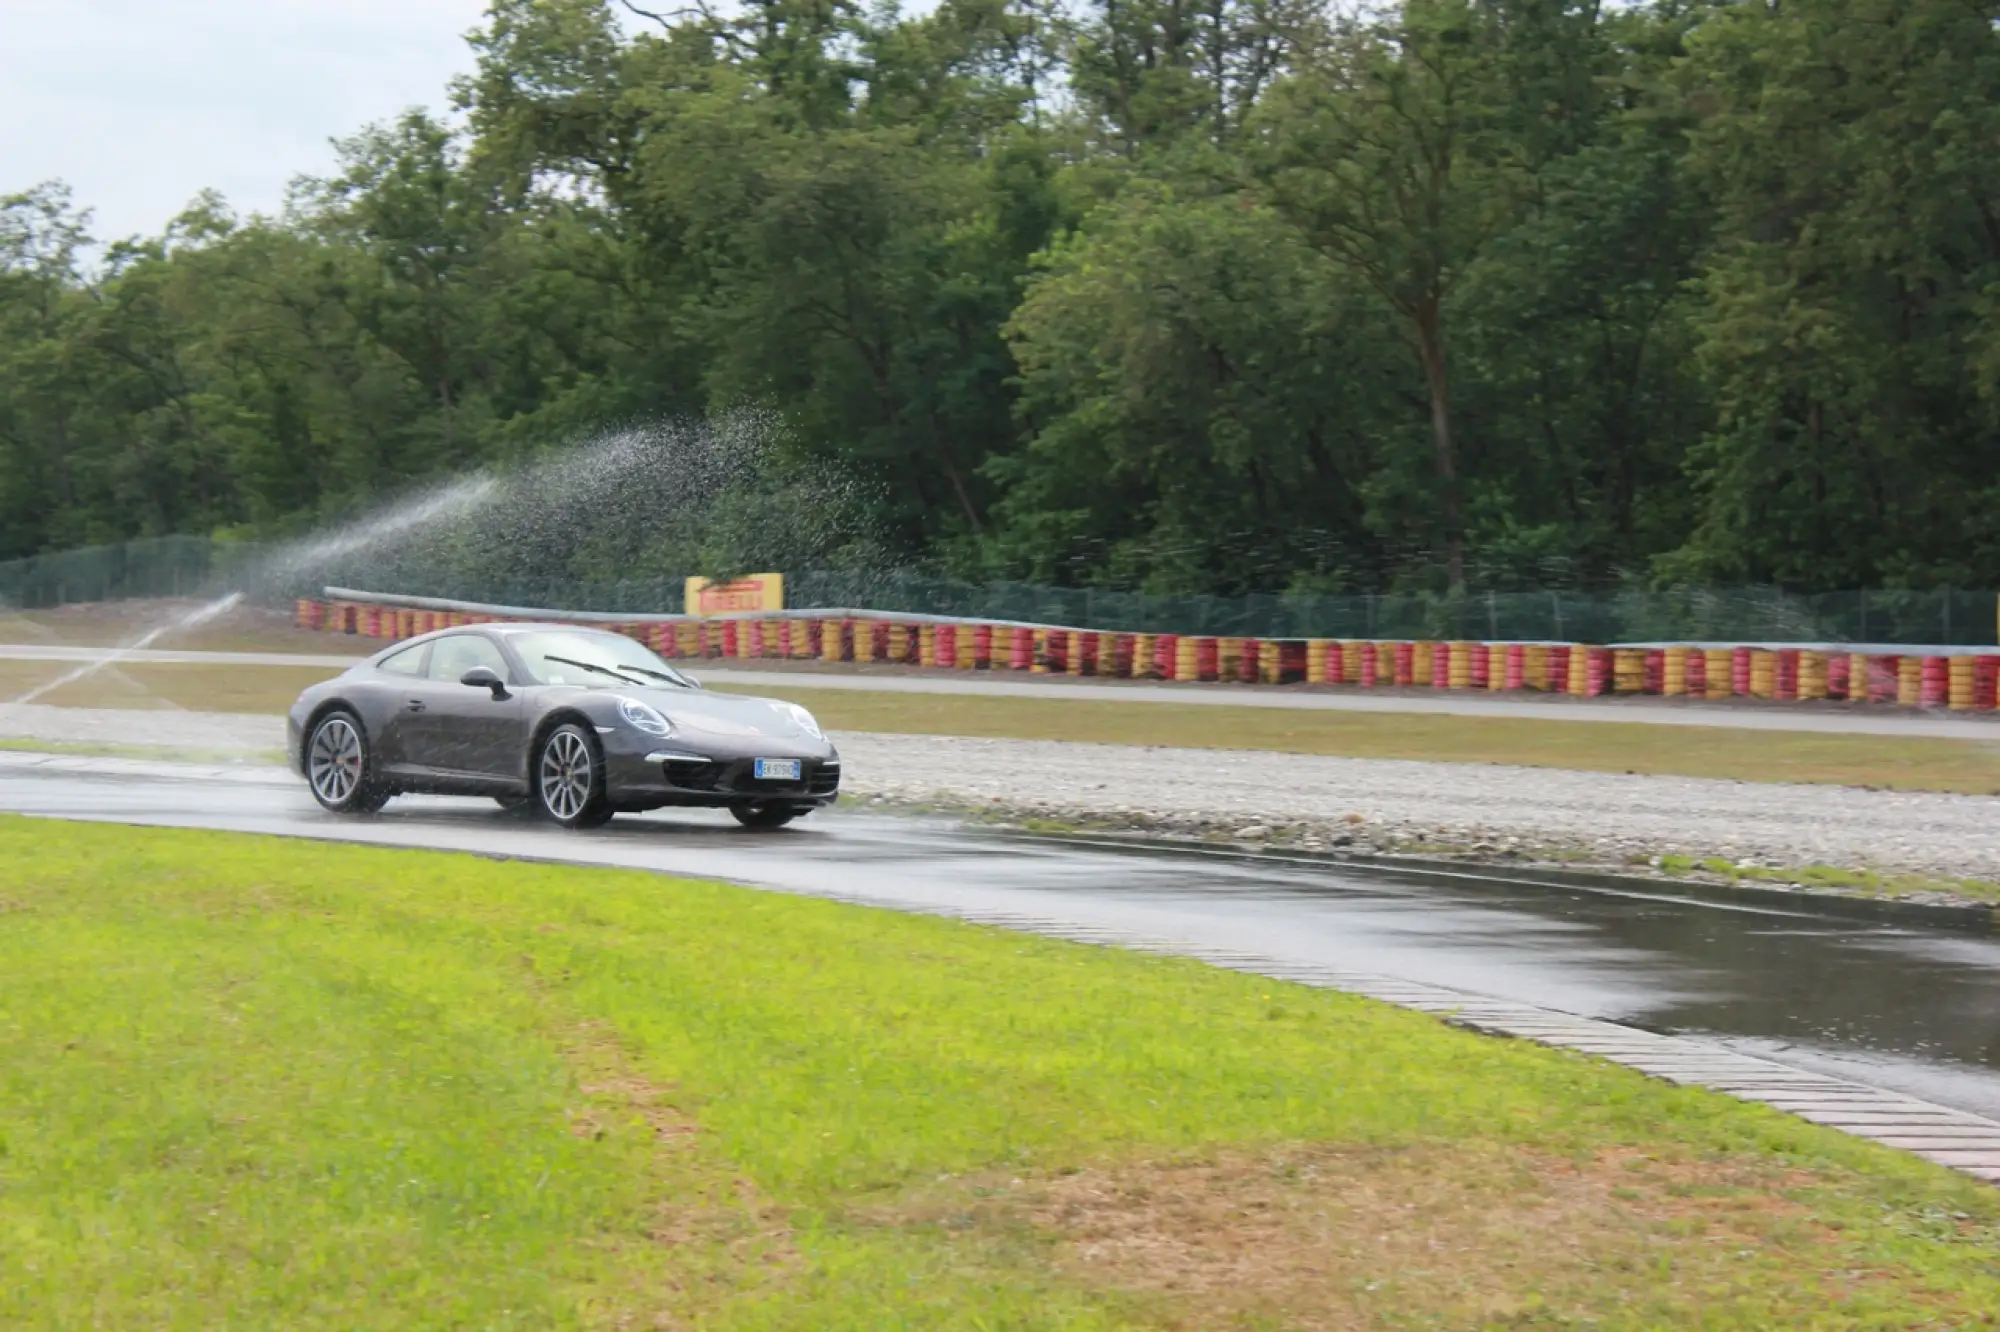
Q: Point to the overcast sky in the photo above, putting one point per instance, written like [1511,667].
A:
[140,104]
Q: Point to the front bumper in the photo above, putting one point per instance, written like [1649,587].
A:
[671,775]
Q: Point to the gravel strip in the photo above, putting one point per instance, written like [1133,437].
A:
[1364,805]
[143,727]
[1390,805]
[168,728]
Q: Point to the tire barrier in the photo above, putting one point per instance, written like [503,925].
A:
[1963,673]
[1674,673]
[1628,670]
[1811,676]
[1597,676]
[1957,679]
[1935,685]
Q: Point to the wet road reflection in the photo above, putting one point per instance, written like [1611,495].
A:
[1910,1008]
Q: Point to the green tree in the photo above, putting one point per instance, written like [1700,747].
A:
[1845,318]
[1575,369]
[1403,146]
[44,369]
[1150,71]
[1206,401]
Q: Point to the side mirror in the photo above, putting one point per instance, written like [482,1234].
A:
[485,677]
[691,679]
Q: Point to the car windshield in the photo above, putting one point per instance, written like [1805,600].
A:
[581,656]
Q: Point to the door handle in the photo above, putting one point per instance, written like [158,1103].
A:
[416,705]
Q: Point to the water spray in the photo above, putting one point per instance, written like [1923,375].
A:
[193,619]
[653,501]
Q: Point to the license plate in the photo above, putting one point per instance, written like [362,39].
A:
[776,770]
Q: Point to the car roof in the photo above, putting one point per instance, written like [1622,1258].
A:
[506,629]
[513,627]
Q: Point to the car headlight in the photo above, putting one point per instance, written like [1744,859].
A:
[644,717]
[804,721]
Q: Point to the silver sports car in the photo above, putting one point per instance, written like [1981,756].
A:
[578,723]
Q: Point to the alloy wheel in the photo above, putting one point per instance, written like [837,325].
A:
[334,767]
[566,775]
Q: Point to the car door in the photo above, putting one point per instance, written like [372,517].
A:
[397,677]
[464,734]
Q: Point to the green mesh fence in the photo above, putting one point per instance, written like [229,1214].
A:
[189,566]
[1682,614]
[175,566]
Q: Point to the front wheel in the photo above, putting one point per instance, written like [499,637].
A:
[764,815]
[339,768]
[569,778]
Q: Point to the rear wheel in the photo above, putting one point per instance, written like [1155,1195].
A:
[764,815]
[569,778]
[339,768]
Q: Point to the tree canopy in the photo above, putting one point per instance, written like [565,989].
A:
[1178,295]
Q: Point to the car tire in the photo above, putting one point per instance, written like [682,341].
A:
[340,765]
[764,814]
[569,778]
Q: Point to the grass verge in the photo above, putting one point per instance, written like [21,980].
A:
[1829,878]
[196,687]
[1963,766]
[108,624]
[162,753]
[260,1082]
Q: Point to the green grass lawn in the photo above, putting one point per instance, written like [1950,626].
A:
[262,1083]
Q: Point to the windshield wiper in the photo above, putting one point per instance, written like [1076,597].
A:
[657,675]
[593,666]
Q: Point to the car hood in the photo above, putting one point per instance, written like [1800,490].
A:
[723,714]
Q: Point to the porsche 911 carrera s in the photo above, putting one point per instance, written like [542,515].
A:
[577,723]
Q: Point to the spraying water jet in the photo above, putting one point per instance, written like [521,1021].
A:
[193,619]
[652,502]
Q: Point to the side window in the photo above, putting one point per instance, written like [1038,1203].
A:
[455,654]
[409,662]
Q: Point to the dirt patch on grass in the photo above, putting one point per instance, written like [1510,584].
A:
[713,1229]
[1320,1236]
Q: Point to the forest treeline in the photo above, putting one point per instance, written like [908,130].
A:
[1215,295]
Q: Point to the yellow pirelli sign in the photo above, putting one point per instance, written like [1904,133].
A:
[752,593]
